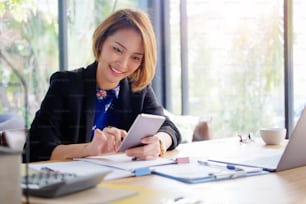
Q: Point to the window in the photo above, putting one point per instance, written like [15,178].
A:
[299,53]
[235,63]
[29,53]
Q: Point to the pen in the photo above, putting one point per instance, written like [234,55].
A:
[135,159]
[219,165]
[232,175]
[47,169]
[235,173]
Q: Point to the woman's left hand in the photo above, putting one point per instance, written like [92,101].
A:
[152,148]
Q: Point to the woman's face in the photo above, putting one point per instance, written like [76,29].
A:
[121,55]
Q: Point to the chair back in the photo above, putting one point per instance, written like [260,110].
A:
[12,131]
[11,121]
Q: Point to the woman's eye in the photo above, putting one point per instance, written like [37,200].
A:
[135,58]
[116,49]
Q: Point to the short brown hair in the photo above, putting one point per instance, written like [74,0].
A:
[140,22]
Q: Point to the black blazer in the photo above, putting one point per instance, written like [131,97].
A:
[67,112]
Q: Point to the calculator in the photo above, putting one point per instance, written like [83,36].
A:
[51,184]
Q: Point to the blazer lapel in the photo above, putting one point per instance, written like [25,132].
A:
[125,104]
[90,98]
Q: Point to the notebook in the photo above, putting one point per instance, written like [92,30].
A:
[293,156]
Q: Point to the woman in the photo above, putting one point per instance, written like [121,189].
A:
[88,111]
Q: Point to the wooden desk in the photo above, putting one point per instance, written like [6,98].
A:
[282,187]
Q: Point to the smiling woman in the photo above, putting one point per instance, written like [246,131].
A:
[88,111]
[121,55]
[141,41]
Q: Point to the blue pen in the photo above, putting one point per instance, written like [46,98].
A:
[232,167]
[235,173]
[219,165]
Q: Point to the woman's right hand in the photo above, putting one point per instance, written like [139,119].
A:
[106,141]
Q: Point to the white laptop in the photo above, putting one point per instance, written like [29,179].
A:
[293,156]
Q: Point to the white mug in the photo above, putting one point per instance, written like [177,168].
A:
[273,136]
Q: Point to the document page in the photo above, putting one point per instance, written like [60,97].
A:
[121,161]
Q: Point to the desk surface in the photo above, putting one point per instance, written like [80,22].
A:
[281,187]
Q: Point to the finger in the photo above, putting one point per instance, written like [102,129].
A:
[99,137]
[149,139]
[110,134]
[123,134]
[118,134]
[146,152]
[109,144]
[97,144]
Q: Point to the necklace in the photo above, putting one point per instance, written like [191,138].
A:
[106,97]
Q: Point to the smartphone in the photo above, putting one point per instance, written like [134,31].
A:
[143,126]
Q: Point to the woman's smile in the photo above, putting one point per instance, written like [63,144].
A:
[117,71]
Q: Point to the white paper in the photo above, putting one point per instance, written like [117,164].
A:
[121,161]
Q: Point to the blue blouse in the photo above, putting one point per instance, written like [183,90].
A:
[104,103]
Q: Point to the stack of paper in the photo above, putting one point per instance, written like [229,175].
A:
[185,170]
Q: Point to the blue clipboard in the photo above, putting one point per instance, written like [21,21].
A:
[205,171]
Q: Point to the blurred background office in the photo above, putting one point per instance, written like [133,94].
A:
[237,64]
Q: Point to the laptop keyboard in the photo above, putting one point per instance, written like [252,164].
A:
[269,161]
